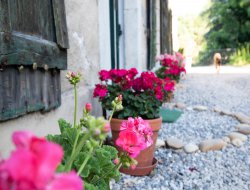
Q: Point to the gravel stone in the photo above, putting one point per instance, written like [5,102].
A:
[236,135]
[190,148]
[173,142]
[212,144]
[200,108]
[180,105]
[237,142]
[242,118]
[226,139]
[160,143]
[243,128]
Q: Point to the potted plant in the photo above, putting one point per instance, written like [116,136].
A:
[82,143]
[172,66]
[142,96]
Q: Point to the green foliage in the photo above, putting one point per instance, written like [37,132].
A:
[144,104]
[241,56]
[162,75]
[229,22]
[191,33]
[99,168]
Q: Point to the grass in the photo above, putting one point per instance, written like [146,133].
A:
[241,57]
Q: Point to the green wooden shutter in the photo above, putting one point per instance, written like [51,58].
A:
[166,28]
[151,34]
[115,33]
[33,50]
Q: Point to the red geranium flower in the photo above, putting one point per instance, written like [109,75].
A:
[100,91]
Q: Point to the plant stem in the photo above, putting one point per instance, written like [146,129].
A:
[85,161]
[112,113]
[69,163]
[75,110]
[76,150]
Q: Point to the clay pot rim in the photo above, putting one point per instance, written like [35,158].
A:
[151,121]
[141,171]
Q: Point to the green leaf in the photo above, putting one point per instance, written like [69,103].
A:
[88,186]
[70,134]
[112,151]
[80,159]
[63,125]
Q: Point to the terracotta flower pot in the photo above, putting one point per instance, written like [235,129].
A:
[146,157]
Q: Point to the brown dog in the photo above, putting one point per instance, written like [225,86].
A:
[217,61]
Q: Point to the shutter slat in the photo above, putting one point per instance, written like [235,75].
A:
[22,49]
[4,19]
[60,23]
[28,91]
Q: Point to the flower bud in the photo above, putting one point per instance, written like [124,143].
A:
[97,132]
[116,161]
[119,107]
[126,164]
[73,74]
[106,128]
[113,104]
[120,98]
[88,107]
[132,166]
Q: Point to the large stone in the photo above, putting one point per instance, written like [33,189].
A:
[226,139]
[226,112]
[200,108]
[216,109]
[173,142]
[160,143]
[212,144]
[243,128]
[237,142]
[235,135]
[190,148]
[180,105]
[242,118]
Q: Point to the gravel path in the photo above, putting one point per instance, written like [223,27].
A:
[228,169]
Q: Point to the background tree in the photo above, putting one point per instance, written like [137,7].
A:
[229,26]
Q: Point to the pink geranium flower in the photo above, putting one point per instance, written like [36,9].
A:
[32,165]
[69,181]
[135,133]
[130,142]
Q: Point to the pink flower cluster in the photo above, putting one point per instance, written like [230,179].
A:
[135,135]
[100,91]
[32,166]
[127,80]
[174,64]
[118,75]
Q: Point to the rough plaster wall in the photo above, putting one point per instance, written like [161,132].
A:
[143,32]
[158,29]
[83,56]
[82,20]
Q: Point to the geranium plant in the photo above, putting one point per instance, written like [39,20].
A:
[83,141]
[172,66]
[142,94]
